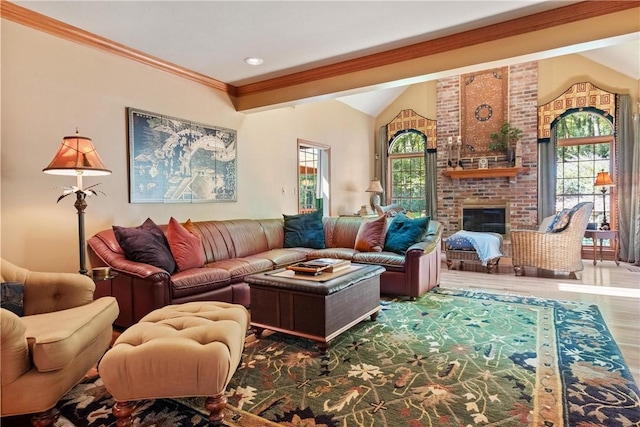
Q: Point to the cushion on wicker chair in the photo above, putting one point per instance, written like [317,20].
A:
[560,221]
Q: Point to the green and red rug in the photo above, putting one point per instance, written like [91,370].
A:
[451,358]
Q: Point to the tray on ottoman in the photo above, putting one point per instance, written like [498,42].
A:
[314,307]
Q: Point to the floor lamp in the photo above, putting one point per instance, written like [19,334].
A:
[77,156]
[604,181]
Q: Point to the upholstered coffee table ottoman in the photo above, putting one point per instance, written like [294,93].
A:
[314,307]
[181,350]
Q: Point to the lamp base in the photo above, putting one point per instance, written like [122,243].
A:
[605,226]
[374,201]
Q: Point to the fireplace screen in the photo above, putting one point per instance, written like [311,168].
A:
[485,219]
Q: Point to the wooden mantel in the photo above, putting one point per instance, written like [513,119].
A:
[485,173]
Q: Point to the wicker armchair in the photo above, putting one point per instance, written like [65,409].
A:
[552,251]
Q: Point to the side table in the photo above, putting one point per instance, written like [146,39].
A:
[611,235]
[103,285]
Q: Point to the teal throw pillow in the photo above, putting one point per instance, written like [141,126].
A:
[404,232]
[13,297]
[304,231]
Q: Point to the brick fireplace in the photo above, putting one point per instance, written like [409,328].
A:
[485,216]
[518,193]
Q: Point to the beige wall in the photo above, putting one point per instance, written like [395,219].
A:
[420,97]
[557,74]
[51,86]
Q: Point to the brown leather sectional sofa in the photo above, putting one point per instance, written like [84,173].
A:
[237,248]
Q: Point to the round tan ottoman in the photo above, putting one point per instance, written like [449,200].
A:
[181,350]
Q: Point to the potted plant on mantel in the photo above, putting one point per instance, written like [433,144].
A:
[506,141]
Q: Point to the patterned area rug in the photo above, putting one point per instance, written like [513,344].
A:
[452,358]
[89,405]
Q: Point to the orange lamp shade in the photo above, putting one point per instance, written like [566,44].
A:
[603,180]
[77,155]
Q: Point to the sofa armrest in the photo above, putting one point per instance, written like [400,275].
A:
[104,251]
[15,359]
[46,292]
[424,247]
[430,242]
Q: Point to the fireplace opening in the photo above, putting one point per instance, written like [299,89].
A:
[486,217]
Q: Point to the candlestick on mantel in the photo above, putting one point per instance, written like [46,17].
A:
[459,140]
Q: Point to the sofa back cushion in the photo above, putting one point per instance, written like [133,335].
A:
[341,232]
[273,231]
[231,238]
[247,236]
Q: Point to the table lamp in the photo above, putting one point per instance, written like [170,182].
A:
[603,180]
[376,189]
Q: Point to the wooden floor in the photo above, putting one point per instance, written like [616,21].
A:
[614,289]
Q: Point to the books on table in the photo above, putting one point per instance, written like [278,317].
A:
[320,265]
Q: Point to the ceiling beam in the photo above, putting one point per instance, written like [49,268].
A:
[514,27]
[556,29]
[553,29]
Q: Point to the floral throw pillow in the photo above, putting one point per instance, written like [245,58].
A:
[13,297]
[560,221]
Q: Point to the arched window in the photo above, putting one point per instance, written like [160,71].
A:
[584,148]
[407,170]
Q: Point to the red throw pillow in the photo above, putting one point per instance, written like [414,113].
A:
[186,248]
[370,237]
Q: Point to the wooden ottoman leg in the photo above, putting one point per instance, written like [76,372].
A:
[492,264]
[257,331]
[215,405]
[123,411]
[45,419]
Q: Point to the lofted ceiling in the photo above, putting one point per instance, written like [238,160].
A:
[213,38]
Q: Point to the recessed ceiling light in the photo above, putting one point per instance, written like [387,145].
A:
[253,60]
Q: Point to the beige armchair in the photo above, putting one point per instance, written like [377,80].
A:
[62,334]
[560,251]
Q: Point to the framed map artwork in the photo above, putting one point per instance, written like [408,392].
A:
[178,161]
